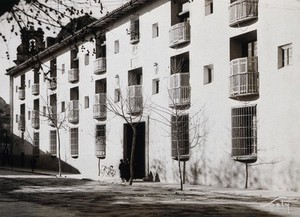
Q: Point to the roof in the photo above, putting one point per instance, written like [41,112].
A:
[109,18]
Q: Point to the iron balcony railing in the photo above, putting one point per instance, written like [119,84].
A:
[52,83]
[35,89]
[179,34]
[242,10]
[100,65]
[179,90]
[100,147]
[21,123]
[22,94]
[99,109]
[52,117]
[73,116]
[35,119]
[135,99]
[73,75]
[244,77]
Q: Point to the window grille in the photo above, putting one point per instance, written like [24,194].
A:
[74,141]
[53,149]
[244,133]
[36,144]
[100,143]
[134,29]
[180,137]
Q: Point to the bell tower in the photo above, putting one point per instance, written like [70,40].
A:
[32,44]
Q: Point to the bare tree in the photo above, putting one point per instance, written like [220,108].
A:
[129,106]
[185,128]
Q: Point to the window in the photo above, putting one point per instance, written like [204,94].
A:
[244,133]
[28,83]
[86,102]
[74,142]
[208,74]
[155,86]
[36,144]
[180,137]
[17,118]
[100,141]
[134,29]
[117,95]
[63,68]
[53,150]
[285,54]
[28,115]
[86,59]
[117,46]
[63,106]
[208,7]
[17,88]
[44,111]
[155,30]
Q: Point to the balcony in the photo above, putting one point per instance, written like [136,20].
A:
[73,75]
[100,147]
[52,83]
[73,116]
[244,78]
[99,65]
[52,117]
[179,90]
[21,123]
[179,34]
[135,99]
[99,110]
[22,94]
[35,89]
[242,11]
[35,120]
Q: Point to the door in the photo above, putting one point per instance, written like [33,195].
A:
[139,155]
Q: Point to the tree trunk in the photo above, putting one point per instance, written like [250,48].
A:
[132,154]
[183,181]
[246,183]
[98,166]
[179,167]
[59,160]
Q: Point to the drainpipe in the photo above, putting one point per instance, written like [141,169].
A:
[11,128]
[147,145]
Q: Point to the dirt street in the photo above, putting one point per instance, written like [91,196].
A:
[31,195]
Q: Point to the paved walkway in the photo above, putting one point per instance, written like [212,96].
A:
[190,189]
[195,196]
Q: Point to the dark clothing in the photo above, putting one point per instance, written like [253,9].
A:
[122,170]
[127,171]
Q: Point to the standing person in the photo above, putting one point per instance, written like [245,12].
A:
[127,170]
[122,170]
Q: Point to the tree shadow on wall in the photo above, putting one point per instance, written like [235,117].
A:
[158,167]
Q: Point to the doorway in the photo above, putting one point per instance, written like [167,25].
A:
[139,155]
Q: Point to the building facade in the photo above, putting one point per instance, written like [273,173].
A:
[216,79]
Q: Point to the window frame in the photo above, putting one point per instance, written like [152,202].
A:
[285,55]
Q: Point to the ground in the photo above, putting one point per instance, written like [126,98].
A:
[27,194]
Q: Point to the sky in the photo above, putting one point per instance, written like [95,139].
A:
[14,41]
